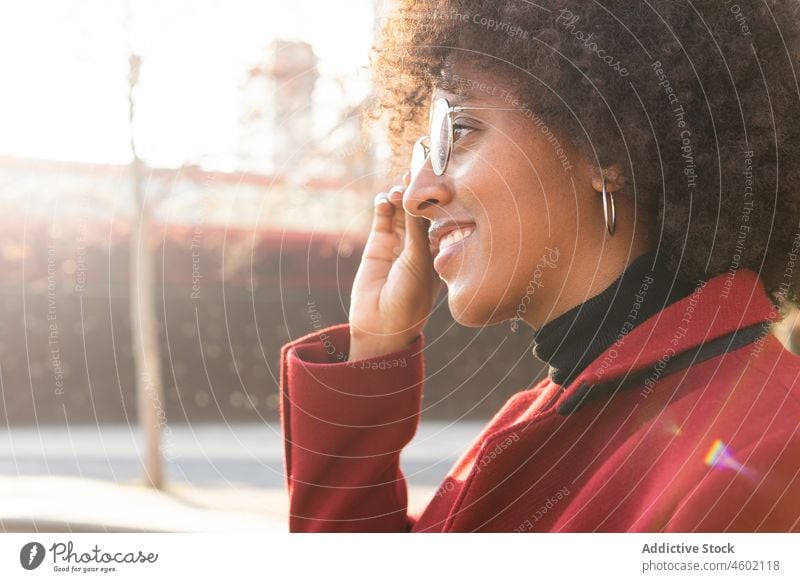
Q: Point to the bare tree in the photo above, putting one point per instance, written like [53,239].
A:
[144,323]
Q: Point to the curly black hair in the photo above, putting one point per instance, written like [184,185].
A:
[697,101]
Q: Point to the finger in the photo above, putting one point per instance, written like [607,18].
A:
[416,239]
[407,179]
[395,196]
[384,216]
[416,228]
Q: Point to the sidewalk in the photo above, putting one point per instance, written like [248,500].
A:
[76,504]
[220,477]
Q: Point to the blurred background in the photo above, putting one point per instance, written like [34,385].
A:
[180,182]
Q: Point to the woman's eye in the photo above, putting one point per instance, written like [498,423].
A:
[460,131]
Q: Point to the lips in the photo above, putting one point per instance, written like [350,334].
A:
[445,234]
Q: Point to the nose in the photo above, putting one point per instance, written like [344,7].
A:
[426,192]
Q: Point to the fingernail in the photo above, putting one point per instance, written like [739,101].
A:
[380,199]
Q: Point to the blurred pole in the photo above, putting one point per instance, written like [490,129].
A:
[144,324]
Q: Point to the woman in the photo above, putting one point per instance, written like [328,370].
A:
[621,177]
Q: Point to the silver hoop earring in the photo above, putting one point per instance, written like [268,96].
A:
[608,207]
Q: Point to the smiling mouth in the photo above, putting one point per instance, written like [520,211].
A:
[451,245]
[454,237]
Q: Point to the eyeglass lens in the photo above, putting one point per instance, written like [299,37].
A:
[439,143]
[440,136]
[418,155]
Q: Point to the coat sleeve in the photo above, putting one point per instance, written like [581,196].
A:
[344,425]
[762,494]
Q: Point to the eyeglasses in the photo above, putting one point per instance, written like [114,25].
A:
[439,145]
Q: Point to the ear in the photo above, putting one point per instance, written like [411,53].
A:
[615,179]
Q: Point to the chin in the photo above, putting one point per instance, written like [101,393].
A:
[471,312]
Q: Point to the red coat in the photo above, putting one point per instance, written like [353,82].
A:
[694,438]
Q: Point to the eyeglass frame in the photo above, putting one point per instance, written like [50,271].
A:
[422,145]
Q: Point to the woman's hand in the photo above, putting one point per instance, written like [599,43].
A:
[395,287]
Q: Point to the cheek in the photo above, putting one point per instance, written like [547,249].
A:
[505,257]
[514,237]
[522,250]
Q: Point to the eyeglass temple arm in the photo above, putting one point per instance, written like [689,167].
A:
[465,108]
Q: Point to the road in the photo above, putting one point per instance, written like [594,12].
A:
[205,454]
[219,477]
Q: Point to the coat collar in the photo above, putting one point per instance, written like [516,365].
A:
[722,314]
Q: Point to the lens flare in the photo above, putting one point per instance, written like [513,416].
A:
[720,457]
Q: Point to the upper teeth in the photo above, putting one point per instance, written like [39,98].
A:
[453,237]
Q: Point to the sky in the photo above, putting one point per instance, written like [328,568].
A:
[63,65]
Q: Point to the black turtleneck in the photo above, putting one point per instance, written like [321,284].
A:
[573,340]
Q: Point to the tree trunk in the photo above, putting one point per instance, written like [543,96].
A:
[146,345]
